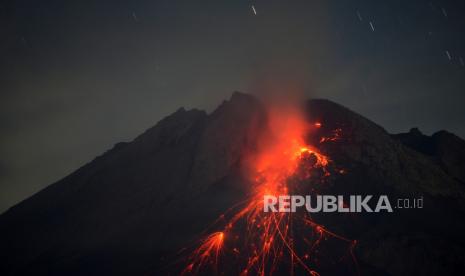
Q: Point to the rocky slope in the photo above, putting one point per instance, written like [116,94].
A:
[130,210]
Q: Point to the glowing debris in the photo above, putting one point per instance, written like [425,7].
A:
[270,237]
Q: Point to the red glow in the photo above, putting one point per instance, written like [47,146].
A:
[336,135]
[207,252]
[268,237]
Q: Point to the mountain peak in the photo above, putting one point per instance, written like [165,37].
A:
[146,199]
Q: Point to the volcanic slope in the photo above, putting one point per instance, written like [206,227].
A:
[131,210]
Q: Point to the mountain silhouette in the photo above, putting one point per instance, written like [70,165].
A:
[132,210]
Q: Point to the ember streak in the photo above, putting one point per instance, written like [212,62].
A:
[264,243]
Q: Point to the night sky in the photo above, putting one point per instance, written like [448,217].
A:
[79,76]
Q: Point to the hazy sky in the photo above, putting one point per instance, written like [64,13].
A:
[78,77]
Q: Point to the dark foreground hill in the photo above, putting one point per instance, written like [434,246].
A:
[130,210]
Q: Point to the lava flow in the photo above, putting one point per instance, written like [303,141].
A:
[254,242]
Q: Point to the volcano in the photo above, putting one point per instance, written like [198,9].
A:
[176,200]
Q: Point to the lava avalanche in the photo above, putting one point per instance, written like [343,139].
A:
[266,243]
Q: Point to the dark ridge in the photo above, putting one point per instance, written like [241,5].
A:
[444,147]
[416,140]
[131,210]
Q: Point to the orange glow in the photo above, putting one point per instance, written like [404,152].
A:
[336,135]
[207,252]
[268,237]
[280,159]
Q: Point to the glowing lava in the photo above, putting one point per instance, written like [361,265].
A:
[208,252]
[265,243]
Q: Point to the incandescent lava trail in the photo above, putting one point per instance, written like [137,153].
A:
[249,241]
